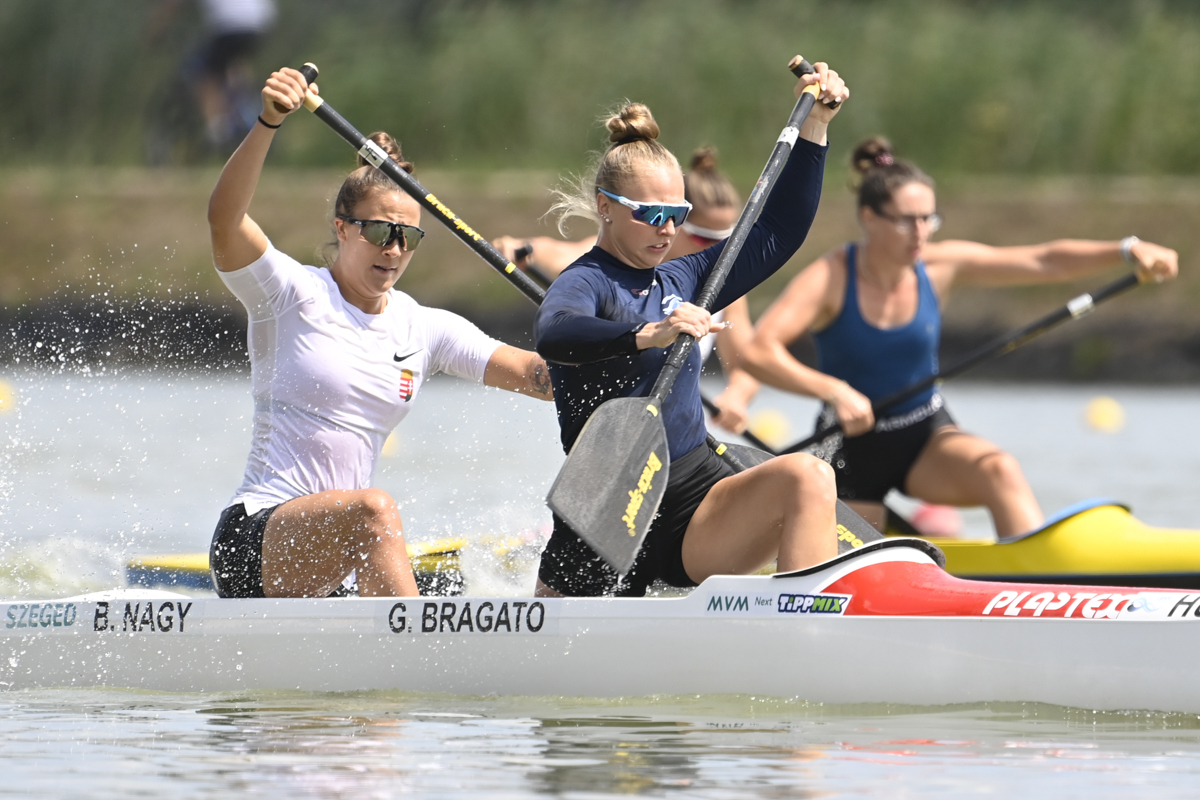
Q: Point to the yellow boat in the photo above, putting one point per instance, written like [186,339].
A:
[1096,542]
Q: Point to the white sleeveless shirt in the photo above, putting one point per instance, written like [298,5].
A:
[330,381]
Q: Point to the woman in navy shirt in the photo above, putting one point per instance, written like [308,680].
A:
[606,326]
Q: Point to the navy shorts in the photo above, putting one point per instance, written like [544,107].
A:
[571,568]
[869,466]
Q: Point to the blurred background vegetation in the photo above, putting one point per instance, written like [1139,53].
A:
[1039,118]
[977,86]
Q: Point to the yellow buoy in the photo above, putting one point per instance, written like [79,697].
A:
[8,397]
[391,446]
[1104,414]
[771,426]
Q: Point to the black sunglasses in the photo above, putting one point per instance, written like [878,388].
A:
[382,233]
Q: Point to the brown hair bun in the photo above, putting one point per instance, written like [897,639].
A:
[632,123]
[705,186]
[871,153]
[364,181]
[880,173]
[389,146]
[704,159]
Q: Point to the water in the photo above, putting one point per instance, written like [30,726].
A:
[97,468]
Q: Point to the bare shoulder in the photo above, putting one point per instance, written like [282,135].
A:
[824,274]
[813,299]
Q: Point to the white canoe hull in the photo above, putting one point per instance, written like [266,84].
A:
[881,626]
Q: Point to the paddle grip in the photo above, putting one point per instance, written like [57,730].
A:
[310,73]
[804,68]
[524,252]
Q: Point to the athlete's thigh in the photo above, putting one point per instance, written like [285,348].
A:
[737,527]
[950,469]
[315,540]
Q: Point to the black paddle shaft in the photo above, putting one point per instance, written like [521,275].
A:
[713,409]
[716,279]
[1075,308]
[378,158]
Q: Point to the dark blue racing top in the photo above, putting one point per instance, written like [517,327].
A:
[585,327]
[879,362]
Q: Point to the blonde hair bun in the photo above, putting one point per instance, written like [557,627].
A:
[632,123]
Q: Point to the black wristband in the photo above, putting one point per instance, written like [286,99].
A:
[267,124]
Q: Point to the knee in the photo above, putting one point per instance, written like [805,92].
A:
[1001,469]
[810,476]
[377,512]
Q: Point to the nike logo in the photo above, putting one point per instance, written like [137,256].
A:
[399,357]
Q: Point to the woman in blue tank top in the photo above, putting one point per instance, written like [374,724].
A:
[874,309]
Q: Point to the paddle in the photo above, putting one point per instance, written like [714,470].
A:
[610,486]
[377,157]
[1074,308]
[525,251]
[749,436]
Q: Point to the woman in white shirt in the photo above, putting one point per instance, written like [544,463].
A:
[337,358]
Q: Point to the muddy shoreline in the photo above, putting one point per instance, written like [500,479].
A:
[197,336]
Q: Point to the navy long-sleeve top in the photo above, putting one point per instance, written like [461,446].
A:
[585,327]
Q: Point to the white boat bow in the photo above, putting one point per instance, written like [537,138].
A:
[881,624]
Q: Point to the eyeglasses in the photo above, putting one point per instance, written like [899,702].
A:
[382,233]
[653,214]
[907,223]
[705,236]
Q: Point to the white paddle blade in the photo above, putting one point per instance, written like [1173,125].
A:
[610,487]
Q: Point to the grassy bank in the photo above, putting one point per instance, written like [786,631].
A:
[127,243]
[963,86]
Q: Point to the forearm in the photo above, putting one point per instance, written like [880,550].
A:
[772,364]
[815,131]
[783,225]
[552,256]
[519,371]
[1052,262]
[741,387]
[230,200]
[236,239]
[1067,259]
[567,338]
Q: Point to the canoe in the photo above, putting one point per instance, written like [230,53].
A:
[1093,542]
[883,623]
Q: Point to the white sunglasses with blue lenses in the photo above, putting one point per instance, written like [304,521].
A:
[653,214]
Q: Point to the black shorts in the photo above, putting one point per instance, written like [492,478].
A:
[572,568]
[235,556]
[869,466]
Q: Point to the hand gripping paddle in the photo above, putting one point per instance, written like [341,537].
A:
[378,158]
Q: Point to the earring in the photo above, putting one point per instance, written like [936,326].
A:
[606,219]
